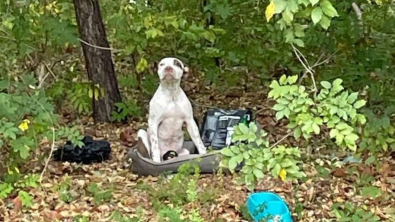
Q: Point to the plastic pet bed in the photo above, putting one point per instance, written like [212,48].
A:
[142,166]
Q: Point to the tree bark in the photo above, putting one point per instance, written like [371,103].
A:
[99,64]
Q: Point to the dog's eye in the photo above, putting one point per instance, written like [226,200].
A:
[177,63]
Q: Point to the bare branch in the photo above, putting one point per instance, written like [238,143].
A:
[50,154]
[99,47]
[307,67]
[279,141]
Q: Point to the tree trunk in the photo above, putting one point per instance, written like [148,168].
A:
[99,64]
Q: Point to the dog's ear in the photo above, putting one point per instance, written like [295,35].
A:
[186,73]
[186,69]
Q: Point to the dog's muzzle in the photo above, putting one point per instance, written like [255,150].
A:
[169,73]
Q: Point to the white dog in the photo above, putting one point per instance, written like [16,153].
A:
[168,110]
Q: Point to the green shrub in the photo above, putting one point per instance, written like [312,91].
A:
[332,107]
[252,148]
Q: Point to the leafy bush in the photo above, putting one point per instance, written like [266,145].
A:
[181,189]
[377,135]
[252,148]
[126,109]
[349,212]
[99,196]
[27,117]
[332,107]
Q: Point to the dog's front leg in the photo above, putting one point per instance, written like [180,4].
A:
[193,131]
[153,126]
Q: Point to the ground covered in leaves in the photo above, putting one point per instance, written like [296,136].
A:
[109,192]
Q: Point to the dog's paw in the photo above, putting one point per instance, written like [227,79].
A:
[156,158]
[203,151]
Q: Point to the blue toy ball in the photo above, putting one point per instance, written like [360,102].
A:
[268,205]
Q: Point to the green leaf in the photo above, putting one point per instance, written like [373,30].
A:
[24,152]
[278,107]
[279,115]
[246,155]
[283,79]
[227,152]
[313,2]
[235,149]
[243,128]
[288,16]
[297,133]
[232,163]
[253,127]
[26,198]
[286,163]
[316,128]
[351,138]
[371,191]
[299,31]
[292,79]
[325,22]
[328,9]
[339,138]
[5,189]
[239,158]
[299,42]
[276,170]
[274,84]
[359,104]
[258,173]
[361,119]
[316,15]
[352,97]
[326,84]
[333,133]
[370,160]
[279,6]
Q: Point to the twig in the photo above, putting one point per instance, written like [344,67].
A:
[286,136]
[308,69]
[100,47]
[42,81]
[53,140]
[318,63]
[304,58]
[326,60]
[50,154]
[50,71]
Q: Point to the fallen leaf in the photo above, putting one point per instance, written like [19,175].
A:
[17,204]
[51,215]
[339,172]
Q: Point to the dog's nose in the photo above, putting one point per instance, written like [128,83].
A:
[168,69]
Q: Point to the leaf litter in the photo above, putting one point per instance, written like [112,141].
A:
[310,199]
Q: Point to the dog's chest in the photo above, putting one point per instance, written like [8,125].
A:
[173,118]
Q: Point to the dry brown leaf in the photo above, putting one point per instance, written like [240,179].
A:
[339,172]
[17,204]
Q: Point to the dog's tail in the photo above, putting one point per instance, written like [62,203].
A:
[143,145]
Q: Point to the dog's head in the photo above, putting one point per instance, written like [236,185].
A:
[171,69]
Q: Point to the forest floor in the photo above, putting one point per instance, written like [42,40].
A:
[331,189]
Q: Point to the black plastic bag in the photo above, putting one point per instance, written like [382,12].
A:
[217,127]
[92,151]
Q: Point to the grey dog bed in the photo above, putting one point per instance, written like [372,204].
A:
[208,163]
